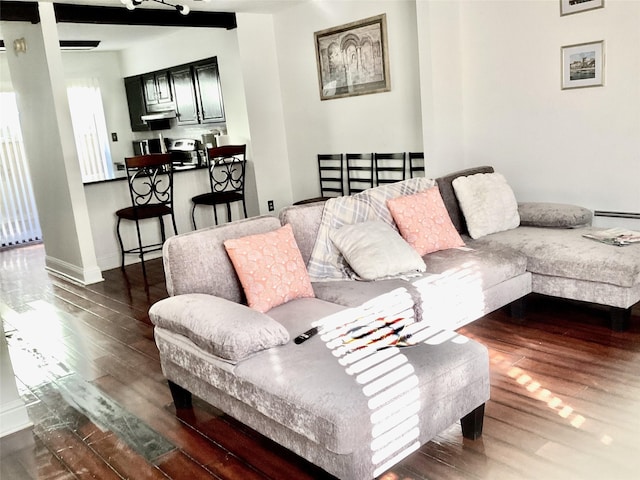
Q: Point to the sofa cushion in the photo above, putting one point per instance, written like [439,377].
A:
[226,329]
[449,195]
[290,388]
[487,202]
[375,250]
[270,268]
[558,215]
[326,262]
[424,221]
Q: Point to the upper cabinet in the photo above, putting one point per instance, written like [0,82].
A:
[197,93]
[136,102]
[185,96]
[157,92]
[193,90]
[209,92]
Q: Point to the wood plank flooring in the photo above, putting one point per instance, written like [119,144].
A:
[565,393]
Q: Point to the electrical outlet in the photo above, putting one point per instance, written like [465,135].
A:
[270,205]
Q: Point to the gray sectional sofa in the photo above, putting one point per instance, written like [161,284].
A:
[355,412]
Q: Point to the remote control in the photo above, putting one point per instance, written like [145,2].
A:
[306,335]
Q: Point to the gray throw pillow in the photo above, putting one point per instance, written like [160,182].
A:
[223,328]
[558,215]
[487,202]
[375,250]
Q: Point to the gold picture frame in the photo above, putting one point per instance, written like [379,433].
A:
[353,59]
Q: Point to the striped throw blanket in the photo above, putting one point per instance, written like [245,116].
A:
[326,263]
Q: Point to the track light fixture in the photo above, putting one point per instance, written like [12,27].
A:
[132,4]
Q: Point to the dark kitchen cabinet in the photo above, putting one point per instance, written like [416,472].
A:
[184,95]
[209,93]
[136,102]
[193,90]
[157,92]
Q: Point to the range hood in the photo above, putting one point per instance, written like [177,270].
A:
[165,115]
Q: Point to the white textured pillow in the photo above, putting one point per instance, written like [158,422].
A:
[487,202]
[375,250]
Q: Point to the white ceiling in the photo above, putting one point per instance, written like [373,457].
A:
[118,37]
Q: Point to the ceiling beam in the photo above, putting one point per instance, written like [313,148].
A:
[19,12]
[72,13]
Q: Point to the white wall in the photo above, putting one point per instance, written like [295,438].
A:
[580,146]
[382,122]
[263,93]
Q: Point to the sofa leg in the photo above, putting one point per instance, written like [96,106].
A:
[181,397]
[472,423]
[518,308]
[619,319]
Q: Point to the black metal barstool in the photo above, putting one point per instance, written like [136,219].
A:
[227,165]
[150,182]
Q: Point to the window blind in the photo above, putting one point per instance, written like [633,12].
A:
[18,214]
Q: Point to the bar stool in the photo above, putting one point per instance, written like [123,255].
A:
[227,165]
[150,182]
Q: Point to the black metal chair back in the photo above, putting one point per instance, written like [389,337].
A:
[390,167]
[359,171]
[416,164]
[150,179]
[331,171]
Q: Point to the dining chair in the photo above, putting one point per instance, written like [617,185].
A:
[416,164]
[359,171]
[150,184]
[389,167]
[331,174]
[227,166]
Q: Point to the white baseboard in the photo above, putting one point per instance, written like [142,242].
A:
[13,418]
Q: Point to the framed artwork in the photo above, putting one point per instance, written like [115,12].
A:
[353,59]
[567,7]
[583,65]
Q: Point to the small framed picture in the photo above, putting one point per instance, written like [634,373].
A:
[567,7]
[583,65]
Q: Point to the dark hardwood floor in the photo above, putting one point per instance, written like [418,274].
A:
[565,397]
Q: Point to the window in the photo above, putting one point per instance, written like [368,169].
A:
[19,222]
[90,130]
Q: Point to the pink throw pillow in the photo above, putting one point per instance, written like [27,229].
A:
[424,222]
[270,268]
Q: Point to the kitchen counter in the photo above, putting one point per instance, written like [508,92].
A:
[122,175]
[106,196]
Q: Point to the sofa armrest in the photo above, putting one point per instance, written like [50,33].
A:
[556,215]
[229,330]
